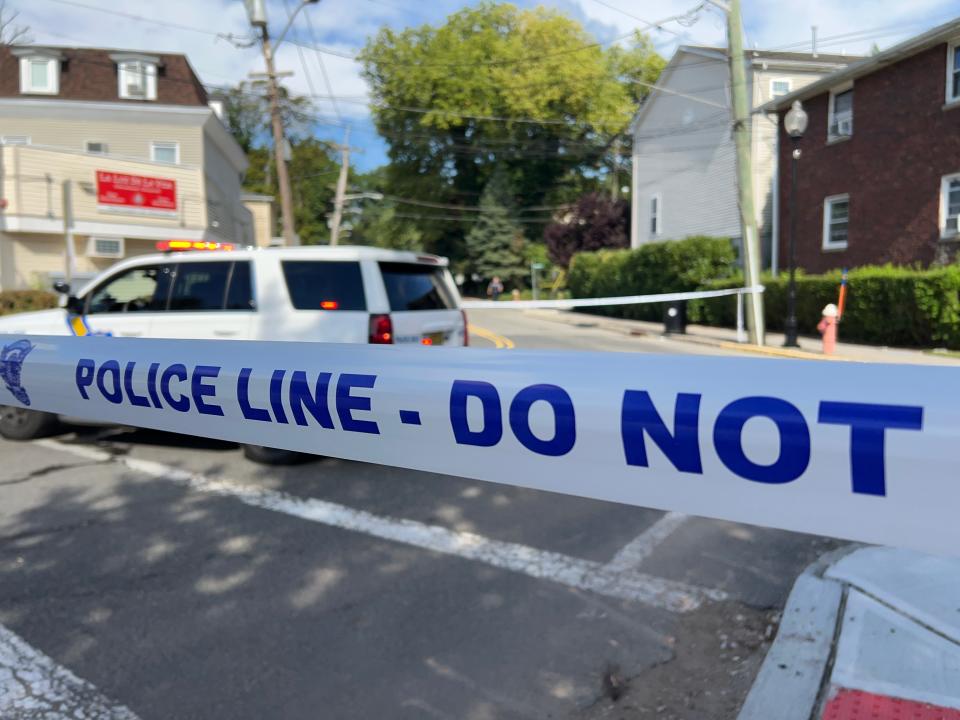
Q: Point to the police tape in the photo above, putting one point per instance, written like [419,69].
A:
[598,302]
[866,452]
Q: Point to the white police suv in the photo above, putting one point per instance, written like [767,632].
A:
[321,294]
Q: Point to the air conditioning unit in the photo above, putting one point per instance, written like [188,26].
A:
[105,247]
[135,90]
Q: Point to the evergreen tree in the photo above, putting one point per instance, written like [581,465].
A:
[495,242]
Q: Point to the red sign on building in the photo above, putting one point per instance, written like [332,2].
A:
[136,193]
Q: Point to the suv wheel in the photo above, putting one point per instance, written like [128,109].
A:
[273,456]
[18,423]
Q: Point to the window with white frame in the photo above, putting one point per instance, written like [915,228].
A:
[841,114]
[953,71]
[836,222]
[950,205]
[779,88]
[168,152]
[138,80]
[39,75]
[95,147]
[655,215]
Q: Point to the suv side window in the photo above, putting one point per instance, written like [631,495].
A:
[200,286]
[321,284]
[139,289]
[240,292]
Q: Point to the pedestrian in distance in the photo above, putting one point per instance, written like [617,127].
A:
[495,288]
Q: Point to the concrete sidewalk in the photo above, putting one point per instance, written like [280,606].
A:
[868,633]
[726,338]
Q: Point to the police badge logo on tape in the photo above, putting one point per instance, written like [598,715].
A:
[11,366]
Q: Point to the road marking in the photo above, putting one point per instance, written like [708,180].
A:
[33,686]
[640,548]
[500,342]
[541,564]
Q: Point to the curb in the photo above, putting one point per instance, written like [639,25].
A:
[867,632]
[791,679]
[779,352]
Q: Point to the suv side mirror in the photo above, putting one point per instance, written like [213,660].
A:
[75,304]
[61,287]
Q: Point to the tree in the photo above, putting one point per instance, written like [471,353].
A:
[246,111]
[595,222]
[11,32]
[313,174]
[495,243]
[527,91]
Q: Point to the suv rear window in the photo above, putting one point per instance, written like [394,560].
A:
[317,285]
[416,287]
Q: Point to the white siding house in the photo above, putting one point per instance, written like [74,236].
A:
[684,159]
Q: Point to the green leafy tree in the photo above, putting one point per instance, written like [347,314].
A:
[527,91]
[246,112]
[313,174]
[495,243]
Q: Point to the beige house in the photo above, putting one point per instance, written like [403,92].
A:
[104,154]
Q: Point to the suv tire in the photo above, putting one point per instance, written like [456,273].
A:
[18,423]
[273,456]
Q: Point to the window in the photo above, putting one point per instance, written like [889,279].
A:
[96,148]
[240,291]
[779,87]
[15,139]
[841,115]
[655,215]
[324,285]
[105,247]
[416,287]
[836,222]
[200,286]
[949,205]
[953,72]
[39,75]
[136,290]
[138,80]
[167,152]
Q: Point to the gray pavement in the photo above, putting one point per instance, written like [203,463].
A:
[236,591]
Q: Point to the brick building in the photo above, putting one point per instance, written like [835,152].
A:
[879,172]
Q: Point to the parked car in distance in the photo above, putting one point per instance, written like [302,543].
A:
[313,294]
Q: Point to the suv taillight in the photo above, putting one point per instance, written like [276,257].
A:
[466,333]
[381,330]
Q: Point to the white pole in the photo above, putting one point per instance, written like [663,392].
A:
[740,334]
[71,260]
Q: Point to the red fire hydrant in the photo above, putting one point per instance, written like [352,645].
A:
[828,329]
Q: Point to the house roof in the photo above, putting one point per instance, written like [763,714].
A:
[925,41]
[91,74]
[820,61]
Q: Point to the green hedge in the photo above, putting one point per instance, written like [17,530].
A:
[15,301]
[671,266]
[886,305]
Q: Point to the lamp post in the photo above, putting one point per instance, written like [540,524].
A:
[795,123]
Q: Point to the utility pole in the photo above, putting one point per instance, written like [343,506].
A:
[279,142]
[742,121]
[257,13]
[71,254]
[341,189]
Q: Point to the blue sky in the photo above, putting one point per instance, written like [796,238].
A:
[343,26]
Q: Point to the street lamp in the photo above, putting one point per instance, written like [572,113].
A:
[795,123]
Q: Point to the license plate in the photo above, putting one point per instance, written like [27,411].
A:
[435,338]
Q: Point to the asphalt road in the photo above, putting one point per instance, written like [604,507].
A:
[336,589]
